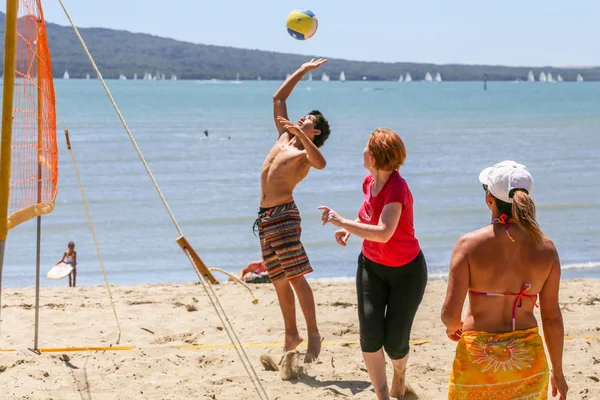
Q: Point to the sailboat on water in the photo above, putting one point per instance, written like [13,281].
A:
[438,77]
[530,77]
[342,77]
[408,78]
[559,78]
[66,75]
[579,78]
[325,77]
[401,79]
[428,77]
[310,77]
[543,77]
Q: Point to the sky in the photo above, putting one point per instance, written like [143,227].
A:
[507,32]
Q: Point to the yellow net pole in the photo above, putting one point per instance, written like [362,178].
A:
[40,126]
[10,50]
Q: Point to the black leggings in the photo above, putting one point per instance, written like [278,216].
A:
[388,298]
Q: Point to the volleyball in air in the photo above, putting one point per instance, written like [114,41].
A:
[302,24]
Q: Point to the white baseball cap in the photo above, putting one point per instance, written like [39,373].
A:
[504,177]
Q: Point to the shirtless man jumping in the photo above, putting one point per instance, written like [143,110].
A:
[295,152]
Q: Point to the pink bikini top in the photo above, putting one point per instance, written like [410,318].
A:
[518,301]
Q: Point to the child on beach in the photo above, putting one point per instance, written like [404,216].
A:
[70,257]
[295,151]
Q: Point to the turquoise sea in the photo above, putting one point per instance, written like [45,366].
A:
[451,130]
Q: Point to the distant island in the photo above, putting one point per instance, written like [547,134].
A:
[125,54]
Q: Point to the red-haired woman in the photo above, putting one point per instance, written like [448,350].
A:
[392,273]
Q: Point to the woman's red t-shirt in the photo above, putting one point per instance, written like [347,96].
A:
[403,246]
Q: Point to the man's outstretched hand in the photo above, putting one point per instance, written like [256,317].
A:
[313,64]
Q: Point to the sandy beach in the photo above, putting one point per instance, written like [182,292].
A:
[164,322]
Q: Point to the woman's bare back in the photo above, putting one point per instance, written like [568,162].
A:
[498,265]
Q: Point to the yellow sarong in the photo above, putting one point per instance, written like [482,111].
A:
[499,366]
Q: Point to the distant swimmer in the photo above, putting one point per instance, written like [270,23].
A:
[206,133]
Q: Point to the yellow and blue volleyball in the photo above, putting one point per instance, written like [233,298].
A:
[302,24]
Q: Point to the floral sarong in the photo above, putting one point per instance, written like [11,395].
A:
[499,366]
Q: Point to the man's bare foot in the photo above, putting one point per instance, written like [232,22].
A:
[291,342]
[314,348]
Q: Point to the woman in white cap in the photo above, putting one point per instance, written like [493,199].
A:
[504,267]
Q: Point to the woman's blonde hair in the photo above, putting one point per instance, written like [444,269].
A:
[523,211]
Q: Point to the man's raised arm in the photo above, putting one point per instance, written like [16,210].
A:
[284,91]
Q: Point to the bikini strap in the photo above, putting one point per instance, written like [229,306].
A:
[503,220]
[518,301]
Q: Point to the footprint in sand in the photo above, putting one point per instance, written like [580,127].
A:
[268,363]
[180,337]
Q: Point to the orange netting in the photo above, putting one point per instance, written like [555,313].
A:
[34,170]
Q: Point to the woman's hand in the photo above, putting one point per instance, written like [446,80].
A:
[559,386]
[330,216]
[456,333]
[342,236]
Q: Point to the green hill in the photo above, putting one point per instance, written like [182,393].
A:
[122,52]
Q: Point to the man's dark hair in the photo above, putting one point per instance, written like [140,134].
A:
[323,125]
